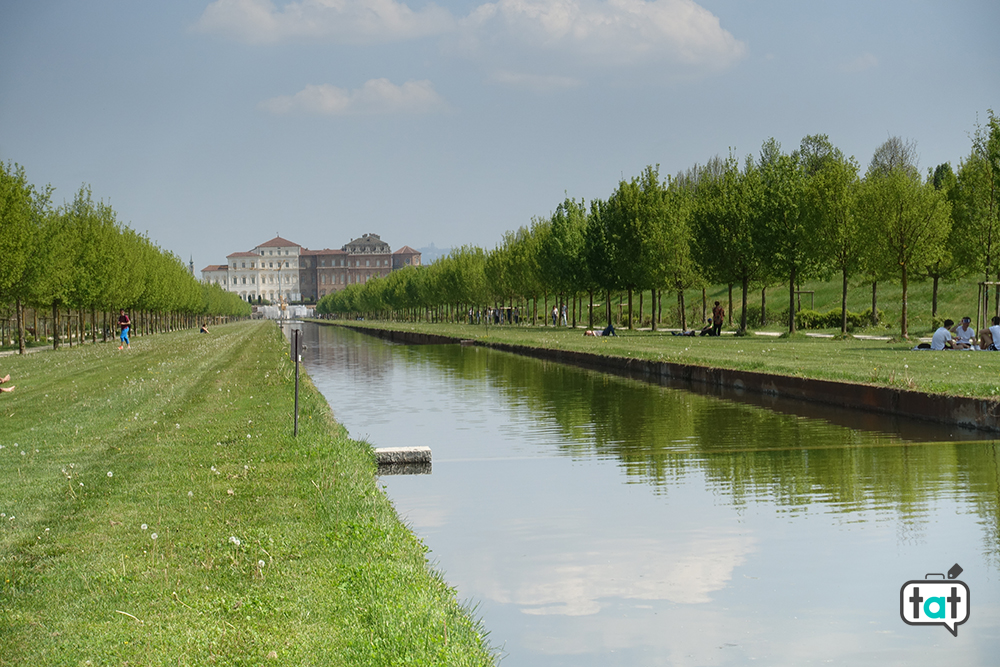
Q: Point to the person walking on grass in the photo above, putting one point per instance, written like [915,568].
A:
[124,323]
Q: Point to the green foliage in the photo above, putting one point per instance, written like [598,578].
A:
[907,221]
[79,256]
[831,319]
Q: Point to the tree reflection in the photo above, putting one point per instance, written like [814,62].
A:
[748,452]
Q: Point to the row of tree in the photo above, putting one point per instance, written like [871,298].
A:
[777,217]
[78,256]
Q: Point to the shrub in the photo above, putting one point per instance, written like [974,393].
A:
[811,319]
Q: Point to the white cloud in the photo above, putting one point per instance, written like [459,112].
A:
[539,82]
[605,32]
[580,584]
[347,21]
[378,96]
[861,63]
[616,32]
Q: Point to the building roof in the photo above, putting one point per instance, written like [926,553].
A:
[278,242]
[406,250]
[365,244]
[243,254]
[324,251]
[216,267]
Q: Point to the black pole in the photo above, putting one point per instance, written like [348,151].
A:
[295,345]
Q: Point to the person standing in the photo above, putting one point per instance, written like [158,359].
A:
[124,323]
[718,315]
[564,322]
[555,315]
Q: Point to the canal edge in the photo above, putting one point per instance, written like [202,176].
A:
[975,413]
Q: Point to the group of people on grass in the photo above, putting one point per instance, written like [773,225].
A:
[951,336]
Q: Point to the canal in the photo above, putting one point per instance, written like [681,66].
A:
[597,520]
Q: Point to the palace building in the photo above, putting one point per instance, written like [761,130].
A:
[282,270]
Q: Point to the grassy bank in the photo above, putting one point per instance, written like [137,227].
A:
[880,363]
[155,509]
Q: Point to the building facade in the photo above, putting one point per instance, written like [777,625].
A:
[281,270]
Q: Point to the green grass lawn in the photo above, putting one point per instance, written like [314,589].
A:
[883,363]
[155,509]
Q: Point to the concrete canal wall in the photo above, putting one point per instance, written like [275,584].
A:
[975,413]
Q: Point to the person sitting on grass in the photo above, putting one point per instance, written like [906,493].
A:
[965,335]
[988,338]
[942,337]
[5,380]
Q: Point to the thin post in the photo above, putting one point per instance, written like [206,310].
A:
[296,347]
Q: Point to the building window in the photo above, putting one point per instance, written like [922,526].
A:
[243,264]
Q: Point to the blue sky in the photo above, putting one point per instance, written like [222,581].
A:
[215,125]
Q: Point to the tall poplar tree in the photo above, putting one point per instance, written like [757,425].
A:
[908,220]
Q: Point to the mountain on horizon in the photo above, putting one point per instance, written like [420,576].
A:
[431,253]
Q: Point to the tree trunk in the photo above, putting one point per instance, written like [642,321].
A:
[629,307]
[843,305]
[730,313]
[743,313]
[704,305]
[640,309]
[20,326]
[590,317]
[934,293]
[763,307]
[903,326]
[652,317]
[874,303]
[55,326]
[683,309]
[791,301]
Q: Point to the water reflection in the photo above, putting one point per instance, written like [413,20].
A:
[600,520]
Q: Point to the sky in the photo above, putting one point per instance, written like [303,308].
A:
[214,126]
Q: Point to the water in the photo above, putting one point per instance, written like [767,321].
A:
[598,520]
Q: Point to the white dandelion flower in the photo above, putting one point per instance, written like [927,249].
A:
[260,564]
[144,526]
[110,474]
[154,536]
